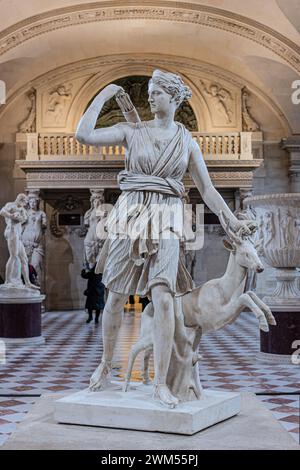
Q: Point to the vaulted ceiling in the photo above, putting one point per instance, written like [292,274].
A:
[258,41]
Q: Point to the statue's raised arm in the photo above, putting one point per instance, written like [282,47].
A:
[86,132]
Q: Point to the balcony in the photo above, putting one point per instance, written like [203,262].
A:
[58,160]
[221,146]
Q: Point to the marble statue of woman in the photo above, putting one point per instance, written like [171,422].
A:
[15,215]
[158,154]
[92,244]
[33,235]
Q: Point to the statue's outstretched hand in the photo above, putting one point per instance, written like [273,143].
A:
[245,228]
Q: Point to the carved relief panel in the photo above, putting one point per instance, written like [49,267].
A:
[54,102]
[222,102]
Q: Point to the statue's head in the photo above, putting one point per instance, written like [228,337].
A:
[22,200]
[34,202]
[244,248]
[167,89]
[33,199]
[96,198]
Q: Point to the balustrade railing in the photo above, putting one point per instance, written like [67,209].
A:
[230,146]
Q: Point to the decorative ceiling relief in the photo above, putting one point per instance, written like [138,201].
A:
[204,15]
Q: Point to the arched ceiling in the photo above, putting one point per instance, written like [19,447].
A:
[254,40]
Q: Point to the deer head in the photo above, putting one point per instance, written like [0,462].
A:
[242,247]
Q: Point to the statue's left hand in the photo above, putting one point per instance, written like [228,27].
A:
[245,227]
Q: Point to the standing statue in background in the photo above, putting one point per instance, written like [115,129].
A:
[93,244]
[15,215]
[33,235]
[146,261]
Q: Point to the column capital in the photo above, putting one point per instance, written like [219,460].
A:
[292,146]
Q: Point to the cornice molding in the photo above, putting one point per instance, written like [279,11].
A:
[163,10]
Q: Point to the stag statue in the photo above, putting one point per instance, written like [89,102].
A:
[209,307]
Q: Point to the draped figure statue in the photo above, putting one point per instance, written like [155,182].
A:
[141,254]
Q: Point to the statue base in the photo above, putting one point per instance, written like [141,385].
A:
[20,318]
[136,409]
[279,345]
[11,293]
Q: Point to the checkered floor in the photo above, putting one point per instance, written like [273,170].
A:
[73,348]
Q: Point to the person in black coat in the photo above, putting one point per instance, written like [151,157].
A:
[94,293]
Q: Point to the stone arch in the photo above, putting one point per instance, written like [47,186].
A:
[100,80]
[119,65]
[162,10]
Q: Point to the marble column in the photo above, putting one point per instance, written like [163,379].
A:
[292,146]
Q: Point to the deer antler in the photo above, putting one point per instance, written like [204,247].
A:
[236,238]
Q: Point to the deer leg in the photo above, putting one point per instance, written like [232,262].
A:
[196,384]
[247,301]
[141,345]
[270,318]
[146,378]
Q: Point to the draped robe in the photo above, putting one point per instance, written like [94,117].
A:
[146,224]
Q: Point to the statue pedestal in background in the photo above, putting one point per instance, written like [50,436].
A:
[20,318]
[278,217]
[20,300]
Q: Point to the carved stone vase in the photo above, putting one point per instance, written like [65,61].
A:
[278,218]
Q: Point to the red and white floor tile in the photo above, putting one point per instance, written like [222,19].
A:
[73,349]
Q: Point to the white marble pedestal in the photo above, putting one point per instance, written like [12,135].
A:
[136,409]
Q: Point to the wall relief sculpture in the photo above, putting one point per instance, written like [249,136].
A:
[249,124]
[220,102]
[57,103]
[29,123]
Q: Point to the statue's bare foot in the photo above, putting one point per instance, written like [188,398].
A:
[32,286]
[163,394]
[99,378]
